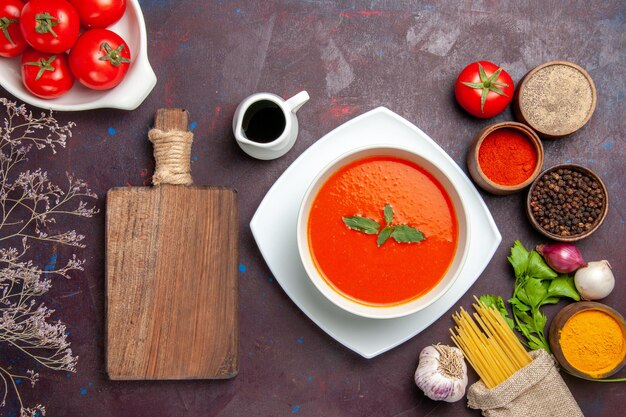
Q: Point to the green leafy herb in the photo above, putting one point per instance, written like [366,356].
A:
[536,285]
[518,258]
[538,268]
[496,302]
[563,286]
[384,235]
[388,211]
[362,224]
[401,233]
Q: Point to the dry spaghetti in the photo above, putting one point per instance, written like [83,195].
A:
[489,345]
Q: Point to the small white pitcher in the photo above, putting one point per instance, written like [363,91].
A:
[274,117]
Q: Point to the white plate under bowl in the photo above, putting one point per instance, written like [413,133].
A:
[275,221]
[376,312]
[128,95]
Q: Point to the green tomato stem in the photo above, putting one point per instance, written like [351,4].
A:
[114,56]
[43,64]
[45,23]
[5,22]
[487,84]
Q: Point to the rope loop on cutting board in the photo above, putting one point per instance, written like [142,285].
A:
[172,150]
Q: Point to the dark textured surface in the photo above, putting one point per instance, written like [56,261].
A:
[350,57]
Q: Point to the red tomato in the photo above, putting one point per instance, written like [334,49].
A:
[99,13]
[46,75]
[484,89]
[12,42]
[100,59]
[50,25]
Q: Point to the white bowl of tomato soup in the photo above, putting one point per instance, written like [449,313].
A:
[382,232]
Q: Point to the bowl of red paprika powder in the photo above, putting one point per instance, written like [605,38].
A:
[505,157]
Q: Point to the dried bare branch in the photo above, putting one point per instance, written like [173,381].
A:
[30,204]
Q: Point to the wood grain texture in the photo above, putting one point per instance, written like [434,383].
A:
[171,276]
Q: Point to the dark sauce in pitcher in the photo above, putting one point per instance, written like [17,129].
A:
[263,122]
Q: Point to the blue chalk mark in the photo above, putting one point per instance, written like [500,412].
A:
[83,391]
[591,161]
[238,10]
[193,125]
[37,414]
[250,354]
[90,384]
[242,268]
[608,146]
[111,131]
[18,381]
[184,45]
[270,279]
[52,263]
[568,161]
[380,53]
[67,332]
[309,378]
[300,340]
[195,158]
[68,375]
[295,409]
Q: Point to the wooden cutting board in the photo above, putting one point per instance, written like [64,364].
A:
[171,278]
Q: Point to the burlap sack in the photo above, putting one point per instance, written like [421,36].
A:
[535,390]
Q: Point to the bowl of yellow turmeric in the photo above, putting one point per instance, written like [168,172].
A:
[589,339]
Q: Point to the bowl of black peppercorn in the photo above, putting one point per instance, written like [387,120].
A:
[567,202]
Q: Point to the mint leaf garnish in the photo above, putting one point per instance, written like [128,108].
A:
[362,224]
[384,235]
[388,214]
[401,233]
[406,234]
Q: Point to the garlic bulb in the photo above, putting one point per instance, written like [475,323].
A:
[442,373]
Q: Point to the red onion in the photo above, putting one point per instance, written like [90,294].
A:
[562,257]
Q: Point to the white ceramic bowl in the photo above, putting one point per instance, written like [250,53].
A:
[128,95]
[412,306]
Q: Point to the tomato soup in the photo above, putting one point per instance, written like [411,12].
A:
[394,273]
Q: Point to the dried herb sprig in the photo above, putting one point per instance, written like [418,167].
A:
[29,203]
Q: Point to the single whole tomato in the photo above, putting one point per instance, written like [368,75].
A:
[46,75]
[99,13]
[50,25]
[12,42]
[100,59]
[484,89]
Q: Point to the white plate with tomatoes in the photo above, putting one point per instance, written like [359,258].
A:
[124,86]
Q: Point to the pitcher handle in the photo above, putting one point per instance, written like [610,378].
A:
[295,102]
